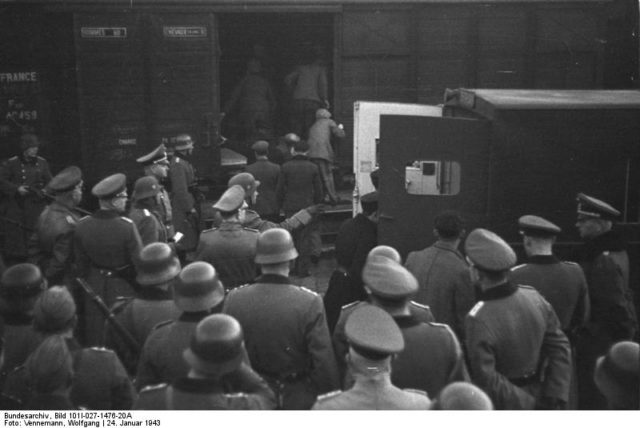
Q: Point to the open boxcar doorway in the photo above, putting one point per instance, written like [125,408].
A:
[280,41]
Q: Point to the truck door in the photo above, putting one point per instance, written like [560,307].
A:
[429,165]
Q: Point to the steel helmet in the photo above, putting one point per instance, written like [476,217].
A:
[275,246]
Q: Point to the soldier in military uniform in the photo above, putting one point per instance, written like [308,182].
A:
[105,247]
[252,219]
[266,173]
[606,266]
[99,382]
[157,268]
[562,284]
[373,338]
[22,179]
[285,328]
[197,292]
[377,289]
[230,247]
[218,378]
[182,176]
[156,164]
[50,246]
[144,212]
[356,237]
[20,286]
[516,349]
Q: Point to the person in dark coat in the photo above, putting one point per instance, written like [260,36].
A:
[373,338]
[106,245]
[561,283]
[51,244]
[197,293]
[606,266]
[285,327]
[145,212]
[299,186]
[156,164]
[231,247]
[443,274]
[20,287]
[22,179]
[99,382]
[218,378]
[157,268]
[516,349]
[356,237]
[183,204]
[266,173]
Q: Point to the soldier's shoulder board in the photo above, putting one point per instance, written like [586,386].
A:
[100,349]
[127,219]
[162,324]
[351,305]
[415,391]
[420,305]
[146,212]
[250,229]
[439,325]
[70,220]
[236,395]
[515,268]
[328,395]
[120,304]
[528,287]
[154,387]
[84,218]
[570,263]
[209,230]
[474,311]
[13,159]
[177,159]
[308,291]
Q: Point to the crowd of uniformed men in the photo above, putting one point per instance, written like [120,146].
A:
[134,309]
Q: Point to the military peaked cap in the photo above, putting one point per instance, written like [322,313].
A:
[534,225]
[158,155]
[388,279]
[488,251]
[110,186]
[373,333]
[260,146]
[231,200]
[590,207]
[65,180]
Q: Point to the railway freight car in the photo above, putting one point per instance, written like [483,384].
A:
[103,81]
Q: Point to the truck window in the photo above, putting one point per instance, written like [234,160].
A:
[432,177]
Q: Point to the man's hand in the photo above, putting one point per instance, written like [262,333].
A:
[23,190]
[315,209]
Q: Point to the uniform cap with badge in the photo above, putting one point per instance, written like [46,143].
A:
[54,311]
[488,251]
[216,345]
[385,251]
[369,201]
[157,264]
[156,156]
[617,375]
[183,142]
[531,225]
[145,187]
[275,246]
[372,333]
[590,207]
[246,181]
[22,280]
[231,200]
[65,180]
[198,288]
[388,279]
[110,186]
